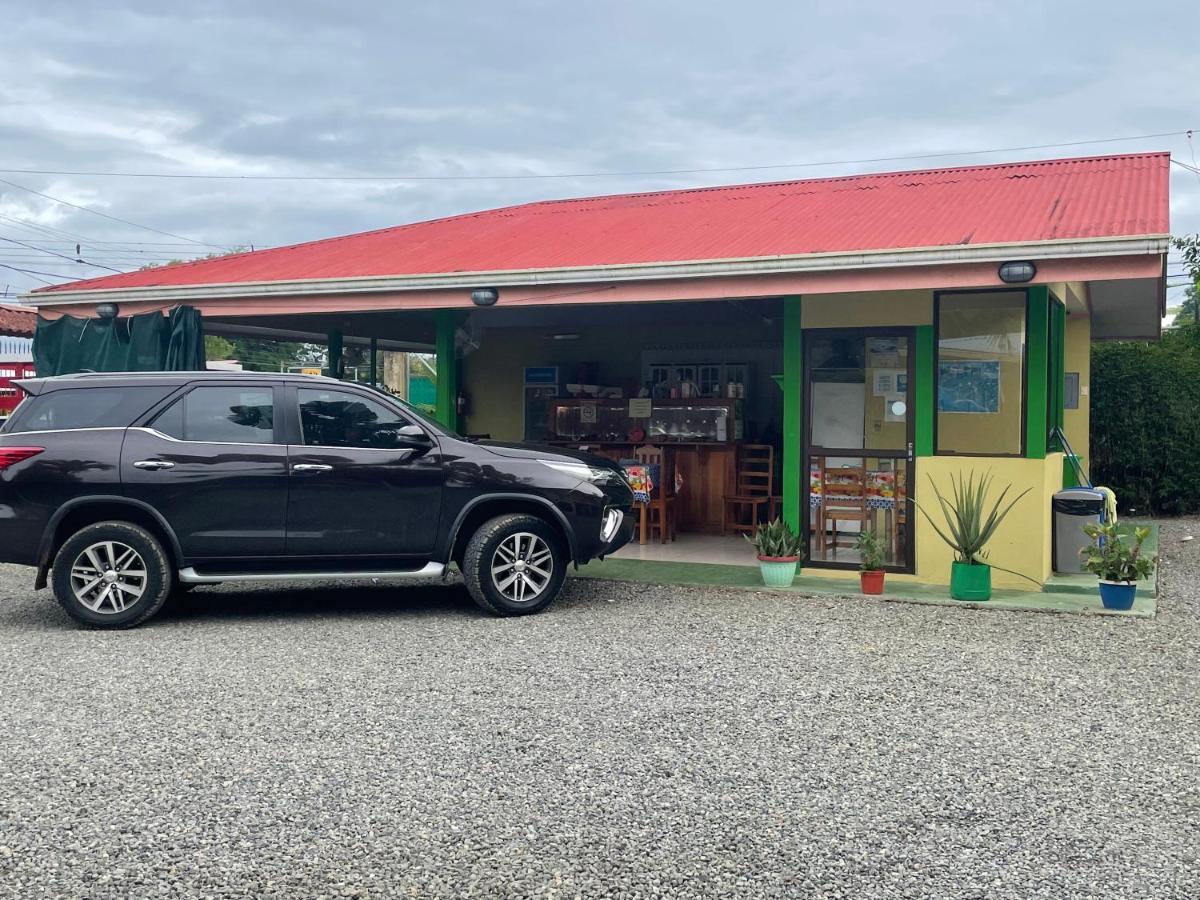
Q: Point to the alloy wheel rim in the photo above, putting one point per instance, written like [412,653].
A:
[108,577]
[522,567]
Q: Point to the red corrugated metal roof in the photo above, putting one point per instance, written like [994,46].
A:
[1109,196]
[16,321]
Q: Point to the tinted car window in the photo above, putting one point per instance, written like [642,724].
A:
[342,419]
[113,407]
[221,415]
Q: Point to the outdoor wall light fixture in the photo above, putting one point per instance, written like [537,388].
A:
[107,310]
[1017,272]
[485,296]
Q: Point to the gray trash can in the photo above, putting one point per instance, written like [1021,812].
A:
[1072,509]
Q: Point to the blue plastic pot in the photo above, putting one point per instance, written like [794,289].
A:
[1118,594]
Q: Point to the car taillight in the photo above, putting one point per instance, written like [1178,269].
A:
[10,456]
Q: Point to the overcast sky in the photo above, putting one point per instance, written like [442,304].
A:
[523,87]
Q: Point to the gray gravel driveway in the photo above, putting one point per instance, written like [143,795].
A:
[630,742]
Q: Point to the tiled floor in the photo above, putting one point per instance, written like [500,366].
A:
[731,550]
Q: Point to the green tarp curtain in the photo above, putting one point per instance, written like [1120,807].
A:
[150,342]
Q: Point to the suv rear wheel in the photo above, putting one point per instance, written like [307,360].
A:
[514,565]
[112,575]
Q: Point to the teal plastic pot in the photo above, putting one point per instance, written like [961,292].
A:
[778,571]
[970,582]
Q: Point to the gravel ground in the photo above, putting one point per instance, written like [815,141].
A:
[630,742]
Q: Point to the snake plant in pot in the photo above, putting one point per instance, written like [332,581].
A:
[778,551]
[872,556]
[969,525]
[1116,563]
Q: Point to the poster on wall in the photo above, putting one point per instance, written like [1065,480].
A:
[969,386]
[883,352]
[890,381]
[640,408]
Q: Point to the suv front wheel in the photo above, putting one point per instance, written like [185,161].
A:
[112,575]
[514,565]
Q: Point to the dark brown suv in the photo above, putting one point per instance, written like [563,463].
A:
[122,488]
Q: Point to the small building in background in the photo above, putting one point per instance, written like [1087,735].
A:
[16,353]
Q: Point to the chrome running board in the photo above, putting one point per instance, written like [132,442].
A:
[429,570]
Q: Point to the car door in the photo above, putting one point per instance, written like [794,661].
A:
[212,464]
[366,480]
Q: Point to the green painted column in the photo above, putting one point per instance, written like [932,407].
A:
[335,343]
[793,414]
[447,368]
[923,395]
[1060,363]
[1037,363]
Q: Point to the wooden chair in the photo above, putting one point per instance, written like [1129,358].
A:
[843,499]
[660,511]
[755,488]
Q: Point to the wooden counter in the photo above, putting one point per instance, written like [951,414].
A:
[709,472]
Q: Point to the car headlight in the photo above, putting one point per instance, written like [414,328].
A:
[582,471]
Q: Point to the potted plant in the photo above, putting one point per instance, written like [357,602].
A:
[872,554]
[1117,564]
[778,552]
[969,526]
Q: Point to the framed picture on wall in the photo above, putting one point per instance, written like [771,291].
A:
[969,386]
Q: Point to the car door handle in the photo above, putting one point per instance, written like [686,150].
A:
[153,464]
[311,467]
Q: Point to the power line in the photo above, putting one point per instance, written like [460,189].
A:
[60,255]
[95,212]
[33,273]
[529,177]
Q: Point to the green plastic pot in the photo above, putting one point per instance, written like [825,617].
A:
[970,582]
[778,571]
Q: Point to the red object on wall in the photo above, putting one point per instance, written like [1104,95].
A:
[10,394]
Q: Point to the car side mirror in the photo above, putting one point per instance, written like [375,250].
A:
[413,436]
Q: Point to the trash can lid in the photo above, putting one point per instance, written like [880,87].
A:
[1079,494]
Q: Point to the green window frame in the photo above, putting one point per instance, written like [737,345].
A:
[1029,343]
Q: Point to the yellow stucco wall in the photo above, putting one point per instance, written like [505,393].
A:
[1077,422]
[858,310]
[1022,543]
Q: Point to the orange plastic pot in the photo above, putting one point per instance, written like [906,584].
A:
[872,582]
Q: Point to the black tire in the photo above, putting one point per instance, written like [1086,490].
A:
[481,555]
[156,584]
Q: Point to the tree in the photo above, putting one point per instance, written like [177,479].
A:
[1189,247]
[216,347]
[1189,310]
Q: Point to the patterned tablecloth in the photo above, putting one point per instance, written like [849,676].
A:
[873,502]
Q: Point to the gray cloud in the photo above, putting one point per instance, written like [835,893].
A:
[458,88]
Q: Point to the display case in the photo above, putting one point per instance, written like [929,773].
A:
[670,421]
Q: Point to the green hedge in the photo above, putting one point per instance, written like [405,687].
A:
[1146,422]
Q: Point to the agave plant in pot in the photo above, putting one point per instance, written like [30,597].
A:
[778,550]
[969,525]
[1117,564]
[871,559]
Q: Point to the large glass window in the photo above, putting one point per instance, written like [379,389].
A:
[221,415]
[980,377]
[343,419]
